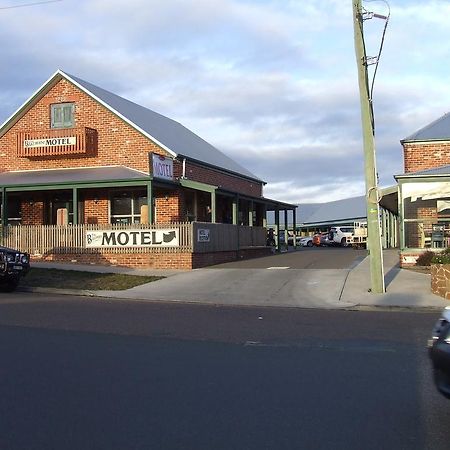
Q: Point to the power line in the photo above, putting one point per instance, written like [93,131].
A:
[30,4]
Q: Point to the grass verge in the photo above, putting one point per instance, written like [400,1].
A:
[74,279]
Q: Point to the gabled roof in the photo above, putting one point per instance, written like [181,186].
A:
[439,130]
[437,171]
[167,133]
[347,209]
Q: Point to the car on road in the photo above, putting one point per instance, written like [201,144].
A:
[13,266]
[306,241]
[439,351]
[321,239]
[341,235]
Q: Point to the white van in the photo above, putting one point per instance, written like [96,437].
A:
[341,235]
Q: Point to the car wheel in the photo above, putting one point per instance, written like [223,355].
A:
[441,382]
[309,244]
[344,242]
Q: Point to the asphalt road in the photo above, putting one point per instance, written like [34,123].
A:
[158,376]
[303,258]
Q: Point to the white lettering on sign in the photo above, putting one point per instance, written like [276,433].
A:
[203,235]
[162,167]
[49,142]
[132,238]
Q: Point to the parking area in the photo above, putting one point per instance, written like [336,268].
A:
[303,258]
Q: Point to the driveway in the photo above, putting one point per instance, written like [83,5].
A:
[306,278]
[304,258]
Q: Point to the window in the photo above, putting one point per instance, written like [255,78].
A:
[62,115]
[13,212]
[126,207]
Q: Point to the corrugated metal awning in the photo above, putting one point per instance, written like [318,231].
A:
[57,177]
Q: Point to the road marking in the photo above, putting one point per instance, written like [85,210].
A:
[277,268]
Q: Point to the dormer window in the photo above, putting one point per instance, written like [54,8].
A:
[62,115]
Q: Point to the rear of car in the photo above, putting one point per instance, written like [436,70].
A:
[439,351]
[341,235]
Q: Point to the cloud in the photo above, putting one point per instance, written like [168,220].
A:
[272,84]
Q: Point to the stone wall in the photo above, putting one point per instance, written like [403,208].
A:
[440,280]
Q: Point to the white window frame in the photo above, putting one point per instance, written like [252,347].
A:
[62,124]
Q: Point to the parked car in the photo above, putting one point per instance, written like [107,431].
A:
[306,241]
[325,240]
[13,266]
[341,235]
[320,239]
[439,350]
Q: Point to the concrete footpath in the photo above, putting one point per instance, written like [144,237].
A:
[304,288]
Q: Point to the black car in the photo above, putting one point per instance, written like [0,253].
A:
[13,266]
[439,349]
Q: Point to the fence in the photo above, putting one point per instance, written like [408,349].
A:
[214,237]
[193,238]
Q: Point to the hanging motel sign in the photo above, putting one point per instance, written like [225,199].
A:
[161,166]
[49,142]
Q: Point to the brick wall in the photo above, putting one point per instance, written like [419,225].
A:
[32,212]
[423,155]
[169,207]
[156,260]
[118,143]
[226,181]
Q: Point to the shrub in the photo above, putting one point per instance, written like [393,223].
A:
[425,258]
[442,257]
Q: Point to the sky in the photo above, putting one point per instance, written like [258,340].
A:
[271,83]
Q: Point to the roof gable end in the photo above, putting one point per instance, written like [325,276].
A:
[170,135]
[438,130]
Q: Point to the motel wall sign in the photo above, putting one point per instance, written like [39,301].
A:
[168,237]
[162,167]
[49,142]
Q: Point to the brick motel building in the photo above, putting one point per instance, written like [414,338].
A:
[87,176]
[424,191]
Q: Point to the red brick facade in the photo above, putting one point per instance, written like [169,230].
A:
[117,143]
[420,156]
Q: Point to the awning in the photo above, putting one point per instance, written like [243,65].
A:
[57,178]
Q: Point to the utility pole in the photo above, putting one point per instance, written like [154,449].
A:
[372,191]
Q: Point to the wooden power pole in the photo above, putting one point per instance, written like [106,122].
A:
[372,192]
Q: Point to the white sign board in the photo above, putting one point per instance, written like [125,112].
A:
[162,167]
[203,235]
[49,142]
[409,259]
[168,237]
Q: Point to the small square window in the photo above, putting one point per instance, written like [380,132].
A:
[62,115]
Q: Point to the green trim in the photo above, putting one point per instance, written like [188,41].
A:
[150,202]
[4,215]
[277,229]
[78,185]
[75,205]
[235,210]
[213,207]
[421,177]
[197,186]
